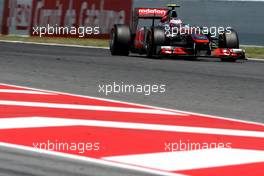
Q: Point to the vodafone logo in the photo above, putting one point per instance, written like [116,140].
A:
[159,12]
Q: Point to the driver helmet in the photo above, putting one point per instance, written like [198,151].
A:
[173,14]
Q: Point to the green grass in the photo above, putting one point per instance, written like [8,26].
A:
[70,41]
[251,52]
[254,52]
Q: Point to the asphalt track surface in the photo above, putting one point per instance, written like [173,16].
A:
[206,86]
[15,162]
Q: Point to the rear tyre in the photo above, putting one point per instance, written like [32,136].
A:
[150,48]
[155,37]
[120,40]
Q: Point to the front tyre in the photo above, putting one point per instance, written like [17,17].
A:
[120,40]
[229,39]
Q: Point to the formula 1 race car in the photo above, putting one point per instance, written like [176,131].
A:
[167,35]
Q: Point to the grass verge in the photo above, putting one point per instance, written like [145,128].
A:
[251,52]
[254,52]
[69,41]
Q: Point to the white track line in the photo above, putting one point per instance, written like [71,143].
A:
[35,122]
[24,92]
[256,59]
[253,46]
[141,105]
[189,160]
[88,107]
[91,160]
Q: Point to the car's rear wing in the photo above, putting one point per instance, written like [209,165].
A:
[150,13]
[147,13]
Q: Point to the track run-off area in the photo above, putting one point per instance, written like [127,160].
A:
[128,138]
[157,140]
